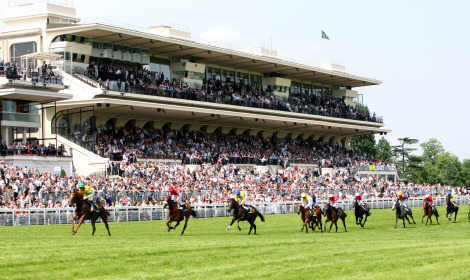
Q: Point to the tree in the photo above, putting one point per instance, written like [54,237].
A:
[364,144]
[384,150]
[403,152]
[432,149]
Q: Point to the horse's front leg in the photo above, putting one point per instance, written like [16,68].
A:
[73,224]
[177,224]
[168,224]
[231,223]
[396,221]
[238,225]
[365,220]
[79,223]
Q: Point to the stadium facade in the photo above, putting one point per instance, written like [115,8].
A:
[47,31]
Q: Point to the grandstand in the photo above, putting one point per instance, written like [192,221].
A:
[112,80]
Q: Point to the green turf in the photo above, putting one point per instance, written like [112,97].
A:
[145,250]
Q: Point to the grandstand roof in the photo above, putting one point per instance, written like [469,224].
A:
[157,111]
[166,46]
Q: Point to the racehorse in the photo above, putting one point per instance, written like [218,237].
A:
[360,212]
[402,213]
[241,214]
[83,212]
[429,210]
[309,218]
[332,215]
[177,215]
[451,208]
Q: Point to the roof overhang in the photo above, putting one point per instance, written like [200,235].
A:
[166,46]
[33,95]
[152,111]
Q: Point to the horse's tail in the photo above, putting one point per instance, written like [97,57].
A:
[193,213]
[260,216]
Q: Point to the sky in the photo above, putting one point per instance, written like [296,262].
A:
[419,49]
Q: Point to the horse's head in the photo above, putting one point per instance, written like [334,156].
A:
[300,209]
[75,198]
[232,204]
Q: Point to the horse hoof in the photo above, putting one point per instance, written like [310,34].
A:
[73,232]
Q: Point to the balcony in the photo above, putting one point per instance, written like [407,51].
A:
[19,117]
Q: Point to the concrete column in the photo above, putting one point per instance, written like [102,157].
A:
[347,142]
[6,134]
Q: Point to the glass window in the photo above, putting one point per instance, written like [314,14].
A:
[19,49]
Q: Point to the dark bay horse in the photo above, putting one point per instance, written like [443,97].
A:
[309,218]
[83,212]
[241,214]
[332,215]
[360,212]
[429,211]
[177,215]
[451,208]
[402,213]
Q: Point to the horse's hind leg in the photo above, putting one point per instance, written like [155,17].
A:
[185,224]
[93,221]
[238,224]
[177,224]
[344,224]
[105,222]
[251,227]
[455,216]
[437,219]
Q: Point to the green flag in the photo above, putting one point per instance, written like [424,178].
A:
[324,36]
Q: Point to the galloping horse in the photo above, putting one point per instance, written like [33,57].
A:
[309,218]
[241,214]
[429,210]
[83,212]
[177,215]
[451,208]
[402,213]
[360,212]
[332,216]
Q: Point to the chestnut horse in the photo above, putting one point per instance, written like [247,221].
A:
[83,212]
[310,219]
[429,210]
[177,215]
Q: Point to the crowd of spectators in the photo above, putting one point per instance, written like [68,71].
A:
[43,74]
[197,147]
[119,76]
[147,183]
[31,148]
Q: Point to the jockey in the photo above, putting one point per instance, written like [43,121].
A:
[332,200]
[240,197]
[307,201]
[429,199]
[401,200]
[449,198]
[358,197]
[175,196]
[88,193]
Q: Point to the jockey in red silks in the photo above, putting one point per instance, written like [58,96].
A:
[429,199]
[358,197]
[332,200]
[175,196]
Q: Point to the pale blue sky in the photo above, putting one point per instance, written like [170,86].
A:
[419,49]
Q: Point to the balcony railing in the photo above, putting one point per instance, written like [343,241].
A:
[19,117]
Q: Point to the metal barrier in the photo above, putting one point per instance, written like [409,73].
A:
[47,216]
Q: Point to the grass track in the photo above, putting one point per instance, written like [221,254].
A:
[144,250]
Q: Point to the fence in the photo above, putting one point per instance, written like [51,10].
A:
[46,216]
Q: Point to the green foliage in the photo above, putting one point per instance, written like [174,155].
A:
[384,150]
[145,250]
[364,144]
